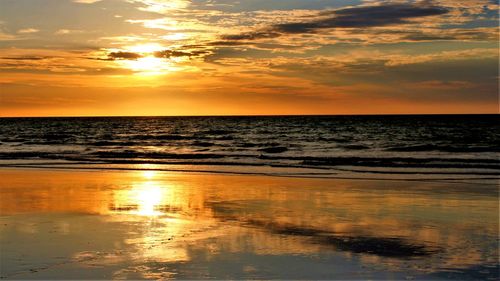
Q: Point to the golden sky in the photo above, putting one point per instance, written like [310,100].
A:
[227,57]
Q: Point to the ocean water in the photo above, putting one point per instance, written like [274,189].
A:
[443,145]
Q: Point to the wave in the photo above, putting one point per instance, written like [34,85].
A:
[483,179]
[154,155]
[443,148]
[275,149]
[270,160]
[114,143]
[167,137]
[322,143]
[355,147]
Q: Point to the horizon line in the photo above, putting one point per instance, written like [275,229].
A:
[250,115]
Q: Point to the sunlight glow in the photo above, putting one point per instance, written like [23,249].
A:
[175,36]
[145,48]
[148,197]
[145,198]
[162,6]
[148,65]
[149,174]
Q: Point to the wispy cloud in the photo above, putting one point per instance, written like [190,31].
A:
[27,30]
[161,6]
[86,1]
[67,31]
[6,36]
[174,53]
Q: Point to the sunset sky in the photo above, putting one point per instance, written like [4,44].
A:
[227,57]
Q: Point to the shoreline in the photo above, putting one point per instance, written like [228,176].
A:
[436,175]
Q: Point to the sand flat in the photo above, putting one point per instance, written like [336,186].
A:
[58,224]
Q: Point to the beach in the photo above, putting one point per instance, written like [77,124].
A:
[147,224]
[249,140]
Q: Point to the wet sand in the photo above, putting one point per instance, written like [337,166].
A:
[58,224]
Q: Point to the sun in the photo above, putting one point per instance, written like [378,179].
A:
[146,62]
[145,48]
[148,65]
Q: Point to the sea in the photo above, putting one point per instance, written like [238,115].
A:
[408,146]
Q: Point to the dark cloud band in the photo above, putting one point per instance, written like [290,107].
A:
[357,17]
[124,55]
[173,53]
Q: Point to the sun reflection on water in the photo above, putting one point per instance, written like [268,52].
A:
[145,198]
[149,174]
[148,197]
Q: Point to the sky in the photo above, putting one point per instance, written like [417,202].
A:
[248,57]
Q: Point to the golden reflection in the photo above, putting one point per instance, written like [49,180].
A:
[167,216]
[149,174]
[143,199]
[148,198]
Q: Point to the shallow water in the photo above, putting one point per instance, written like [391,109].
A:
[153,225]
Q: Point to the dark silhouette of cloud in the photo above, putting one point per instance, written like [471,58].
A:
[124,55]
[174,53]
[377,15]
[254,35]
[28,58]
[356,17]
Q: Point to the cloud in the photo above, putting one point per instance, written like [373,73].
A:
[86,1]
[476,34]
[397,60]
[6,37]
[27,30]
[382,15]
[173,53]
[25,64]
[356,17]
[67,31]
[161,6]
[399,34]
[124,55]
[163,54]
[442,85]
[21,58]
